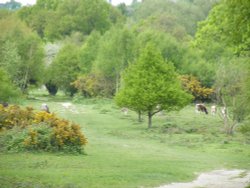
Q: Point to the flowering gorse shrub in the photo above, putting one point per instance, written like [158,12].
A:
[194,87]
[14,115]
[49,118]
[38,137]
[43,131]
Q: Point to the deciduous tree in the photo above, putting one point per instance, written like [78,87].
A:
[65,68]
[229,87]
[21,53]
[151,85]
[116,50]
[9,91]
[227,24]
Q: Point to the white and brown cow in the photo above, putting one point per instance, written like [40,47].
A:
[124,110]
[201,108]
[224,112]
[213,109]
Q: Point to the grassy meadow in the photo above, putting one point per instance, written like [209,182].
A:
[123,153]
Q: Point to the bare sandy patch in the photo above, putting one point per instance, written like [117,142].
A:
[68,106]
[216,179]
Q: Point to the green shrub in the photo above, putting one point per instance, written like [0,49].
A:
[9,91]
[245,127]
[38,137]
[14,115]
[65,135]
[12,140]
[24,129]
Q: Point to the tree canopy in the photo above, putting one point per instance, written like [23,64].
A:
[228,24]
[21,53]
[9,92]
[151,85]
[54,19]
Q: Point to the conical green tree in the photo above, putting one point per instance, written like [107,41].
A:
[151,85]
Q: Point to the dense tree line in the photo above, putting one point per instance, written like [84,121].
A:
[11,5]
[100,43]
[21,52]
[55,19]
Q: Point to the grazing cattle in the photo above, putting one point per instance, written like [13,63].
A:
[201,108]
[67,105]
[224,111]
[213,109]
[45,108]
[124,110]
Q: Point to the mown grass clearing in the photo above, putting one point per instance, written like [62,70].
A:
[123,153]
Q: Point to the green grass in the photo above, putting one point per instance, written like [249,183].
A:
[123,153]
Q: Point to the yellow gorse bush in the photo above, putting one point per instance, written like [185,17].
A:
[193,86]
[13,115]
[47,130]
[32,139]
[64,132]
[43,116]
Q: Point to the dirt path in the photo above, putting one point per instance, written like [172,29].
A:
[217,179]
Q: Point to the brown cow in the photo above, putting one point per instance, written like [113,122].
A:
[201,108]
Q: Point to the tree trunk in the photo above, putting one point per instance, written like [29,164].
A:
[229,124]
[139,116]
[150,115]
[117,83]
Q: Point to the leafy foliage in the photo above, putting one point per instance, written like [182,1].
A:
[151,85]
[8,90]
[21,52]
[53,19]
[93,85]
[171,49]
[117,49]
[65,69]
[176,17]
[88,52]
[193,86]
[60,135]
[24,129]
[230,92]
[15,116]
[194,64]
[228,24]
[51,87]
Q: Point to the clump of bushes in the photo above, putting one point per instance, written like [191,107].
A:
[25,129]
[14,115]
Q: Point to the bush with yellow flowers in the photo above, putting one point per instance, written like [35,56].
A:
[193,86]
[14,115]
[40,131]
